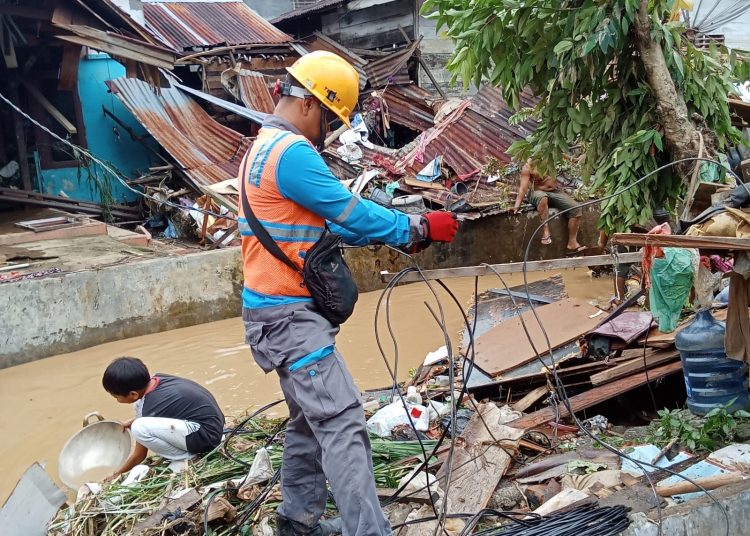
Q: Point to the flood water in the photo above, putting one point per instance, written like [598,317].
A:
[44,401]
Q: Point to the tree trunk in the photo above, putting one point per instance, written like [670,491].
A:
[680,134]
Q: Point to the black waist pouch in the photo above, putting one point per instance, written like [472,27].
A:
[325,272]
[329,279]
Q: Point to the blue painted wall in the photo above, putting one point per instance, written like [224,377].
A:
[128,156]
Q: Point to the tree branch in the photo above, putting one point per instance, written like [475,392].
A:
[679,132]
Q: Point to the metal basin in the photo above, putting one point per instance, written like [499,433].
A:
[101,444]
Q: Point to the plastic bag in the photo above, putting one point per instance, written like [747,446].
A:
[706,283]
[386,418]
[671,281]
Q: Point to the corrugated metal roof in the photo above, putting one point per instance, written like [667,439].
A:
[323,5]
[386,70]
[410,106]
[207,151]
[318,41]
[202,24]
[477,131]
[254,91]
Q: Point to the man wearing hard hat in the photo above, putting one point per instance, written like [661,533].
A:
[287,187]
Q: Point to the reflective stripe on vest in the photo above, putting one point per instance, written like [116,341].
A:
[292,226]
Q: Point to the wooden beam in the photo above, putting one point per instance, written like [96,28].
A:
[56,114]
[681,241]
[708,483]
[480,460]
[653,358]
[595,396]
[516,267]
[531,398]
[23,159]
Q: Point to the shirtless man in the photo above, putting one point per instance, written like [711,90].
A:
[543,193]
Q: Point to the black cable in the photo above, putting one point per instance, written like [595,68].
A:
[235,431]
[560,387]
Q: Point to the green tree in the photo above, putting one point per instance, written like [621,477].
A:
[616,76]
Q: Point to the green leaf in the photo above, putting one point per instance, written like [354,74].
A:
[678,63]
[590,45]
[658,141]
[562,46]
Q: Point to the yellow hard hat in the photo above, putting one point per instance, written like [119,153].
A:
[330,79]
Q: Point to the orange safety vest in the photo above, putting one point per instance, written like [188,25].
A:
[294,228]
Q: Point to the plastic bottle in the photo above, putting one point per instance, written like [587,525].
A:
[712,379]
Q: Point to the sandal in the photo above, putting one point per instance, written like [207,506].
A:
[580,250]
[546,240]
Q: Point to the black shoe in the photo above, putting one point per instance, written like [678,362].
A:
[288,527]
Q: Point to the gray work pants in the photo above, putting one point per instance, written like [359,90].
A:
[326,436]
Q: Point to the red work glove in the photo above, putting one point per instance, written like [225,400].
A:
[440,226]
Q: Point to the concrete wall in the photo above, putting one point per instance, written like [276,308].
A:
[59,314]
[700,517]
[104,138]
[436,52]
[494,240]
[45,317]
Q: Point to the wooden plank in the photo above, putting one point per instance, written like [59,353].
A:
[506,347]
[517,267]
[71,59]
[56,114]
[120,52]
[531,398]
[186,501]
[595,396]
[479,463]
[416,183]
[680,241]
[708,483]
[653,358]
[89,228]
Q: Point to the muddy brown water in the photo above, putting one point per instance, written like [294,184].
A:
[44,401]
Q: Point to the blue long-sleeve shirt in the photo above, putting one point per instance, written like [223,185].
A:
[302,176]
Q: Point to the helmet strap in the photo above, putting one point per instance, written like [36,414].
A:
[323,122]
[285,89]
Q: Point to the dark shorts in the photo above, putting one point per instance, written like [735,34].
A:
[558,200]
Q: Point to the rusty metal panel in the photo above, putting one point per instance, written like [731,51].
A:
[254,91]
[318,41]
[390,69]
[410,106]
[206,151]
[205,24]
[468,138]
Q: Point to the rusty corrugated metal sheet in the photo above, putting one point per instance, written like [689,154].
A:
[318,41]
[206,151]
[478,131]
[201,24]
[254,91]
[410,106]
[390,69]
